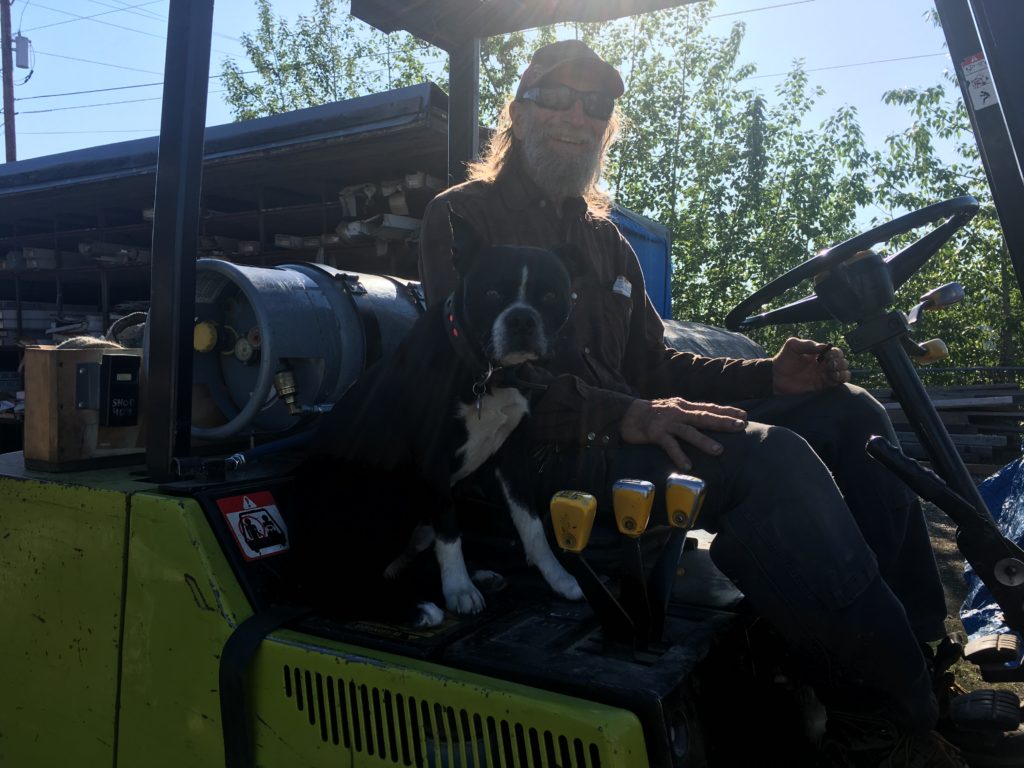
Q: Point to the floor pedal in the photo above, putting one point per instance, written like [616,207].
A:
[986,711]
[993,649]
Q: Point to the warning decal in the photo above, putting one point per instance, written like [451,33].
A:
[256,524]
[979,81]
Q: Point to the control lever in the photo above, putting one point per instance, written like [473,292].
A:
[572,517]
[632,501]
[937,298]
[998,561]
[684,496]
[926,352]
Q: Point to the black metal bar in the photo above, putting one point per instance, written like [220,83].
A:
[994,141]
[616,623]
[663,576]
[463,108]
[999,24]
[633,591]
[168,399]
[925,420]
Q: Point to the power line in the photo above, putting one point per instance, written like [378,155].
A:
[848,66]
[762,8]
[155,17]
[99,63]
[114,88]
[62,133]
[89,106]
[131,9]
[94,18]
[76,17]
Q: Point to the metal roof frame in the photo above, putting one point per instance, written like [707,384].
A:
[448,24]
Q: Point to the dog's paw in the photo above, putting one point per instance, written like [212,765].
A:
[566,585]
[465,599]
[394,570]
[428,615]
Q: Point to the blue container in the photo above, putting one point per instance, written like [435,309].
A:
[652,243]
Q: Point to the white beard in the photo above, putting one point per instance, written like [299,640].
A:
[558,175]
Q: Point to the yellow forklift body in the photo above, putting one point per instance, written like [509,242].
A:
[62,555]
[120,600]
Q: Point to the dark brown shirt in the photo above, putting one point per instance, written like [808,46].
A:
[612,349]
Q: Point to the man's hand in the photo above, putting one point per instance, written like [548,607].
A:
[673,420]
[803,366]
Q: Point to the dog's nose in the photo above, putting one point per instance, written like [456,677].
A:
[521,321]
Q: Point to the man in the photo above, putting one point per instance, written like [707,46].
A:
[850,582]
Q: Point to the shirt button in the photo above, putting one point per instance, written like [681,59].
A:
[586,350]
[575,295]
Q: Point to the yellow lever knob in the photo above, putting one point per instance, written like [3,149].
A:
[572,516]
[632,501]
[934,349]
[684,495]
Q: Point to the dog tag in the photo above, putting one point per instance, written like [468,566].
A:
[622,286]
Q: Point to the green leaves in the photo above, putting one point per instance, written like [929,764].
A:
[748,187]
[323,57]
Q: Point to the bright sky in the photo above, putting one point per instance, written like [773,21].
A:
[856,49]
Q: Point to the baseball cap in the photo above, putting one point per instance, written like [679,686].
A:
[548,58]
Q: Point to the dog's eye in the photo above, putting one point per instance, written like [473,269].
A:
[492,295]
[548,298]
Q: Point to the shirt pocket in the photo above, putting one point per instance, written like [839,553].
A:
[616,313]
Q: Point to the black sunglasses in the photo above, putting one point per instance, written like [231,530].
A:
[561,97]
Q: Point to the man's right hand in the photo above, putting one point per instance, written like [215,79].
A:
[671,421]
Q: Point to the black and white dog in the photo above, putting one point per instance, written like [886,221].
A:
[448,401]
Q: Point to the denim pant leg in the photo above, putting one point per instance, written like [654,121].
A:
[788,541]
[837,423]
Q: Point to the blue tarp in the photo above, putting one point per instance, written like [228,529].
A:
[1004,495]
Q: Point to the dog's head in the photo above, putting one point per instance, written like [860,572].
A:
[512,299]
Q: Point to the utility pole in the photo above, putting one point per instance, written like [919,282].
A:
[8,75]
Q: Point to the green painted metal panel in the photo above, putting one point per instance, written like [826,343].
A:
[182,604]
[61,565]
[321,703]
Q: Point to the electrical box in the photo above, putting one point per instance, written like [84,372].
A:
[21,49]
[82,407]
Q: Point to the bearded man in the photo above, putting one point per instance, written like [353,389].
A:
[848,577]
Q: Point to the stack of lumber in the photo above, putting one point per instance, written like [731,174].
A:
[986,422]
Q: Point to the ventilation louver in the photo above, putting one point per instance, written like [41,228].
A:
[405,730]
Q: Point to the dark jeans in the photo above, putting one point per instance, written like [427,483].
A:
[845,573]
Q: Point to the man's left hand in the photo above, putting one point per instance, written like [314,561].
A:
[803,366]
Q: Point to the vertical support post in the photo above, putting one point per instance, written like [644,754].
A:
[168,397]
[8,75]
[995,143]
[463,108]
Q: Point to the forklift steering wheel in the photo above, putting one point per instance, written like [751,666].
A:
[958,211]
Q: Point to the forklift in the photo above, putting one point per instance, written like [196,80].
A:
[147,601]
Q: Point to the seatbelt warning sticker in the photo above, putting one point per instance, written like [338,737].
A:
[256,524]
[979,81]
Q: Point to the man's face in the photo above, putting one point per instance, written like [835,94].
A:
[562,148]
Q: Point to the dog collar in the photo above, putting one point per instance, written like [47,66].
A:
[467,350]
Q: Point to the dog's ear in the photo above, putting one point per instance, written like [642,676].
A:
[465,242]
[575,261]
